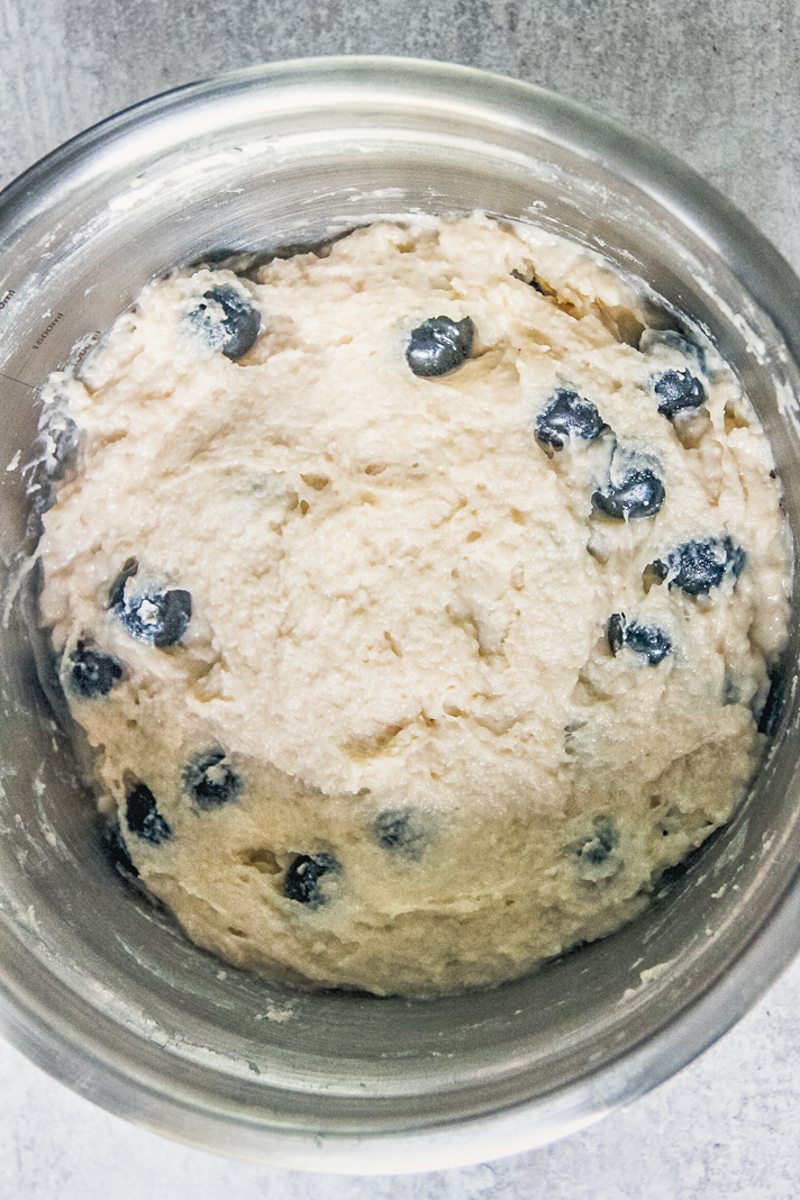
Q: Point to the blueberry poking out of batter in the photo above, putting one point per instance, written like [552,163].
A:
[91,672]
[210,780]
[648,640]
[158,617]
[598,858]
[439,345]
[397,831]
[736,556]
[302,880]
[143,817]
[227,321]
[677,392]
[61,441]
[567,415]
[615,632]
[596,849]
[532,282]
[638,493]
[701,564]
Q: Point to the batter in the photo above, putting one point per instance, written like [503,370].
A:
[418,600]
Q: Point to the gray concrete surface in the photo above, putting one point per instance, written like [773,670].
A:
[718,82]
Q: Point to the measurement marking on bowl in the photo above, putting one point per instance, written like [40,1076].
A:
[48,329]
[82,347]
[6,298]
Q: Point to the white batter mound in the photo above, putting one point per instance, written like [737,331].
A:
[405,680]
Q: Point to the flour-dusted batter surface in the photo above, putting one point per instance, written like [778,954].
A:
[397,679]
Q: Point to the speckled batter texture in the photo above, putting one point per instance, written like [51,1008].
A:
[397,679]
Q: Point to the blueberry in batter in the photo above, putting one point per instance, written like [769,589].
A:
[226,321]
[567,415]
[439,346]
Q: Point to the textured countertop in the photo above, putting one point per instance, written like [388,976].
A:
[715,81]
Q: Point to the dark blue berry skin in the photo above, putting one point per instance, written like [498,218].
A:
[596,857]
[161,617]
[211,781]
[598,846]
[117,852]
[91,672]
[236,330]
[143,817]
[700,565]
[735,555]
[302,880]
[397,832]
[41,493]
[615,632]
[648,640]
[532,282]
[61,439]
[567,415]
[640,493]
[439,346]
[677,392]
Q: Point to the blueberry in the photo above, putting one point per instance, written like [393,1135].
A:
[61,438]
[117,851]
[567,415]
[735,555]
[615,632]
[158,617]
[700,565]
[41,492]
[598,846]
[210,780]
[677,392]
[227,321]
[648,640]
[597,854]
[143,817]
[396,831]
[439,345]
[532,282]
[302,879]
[91,672]
[638,493]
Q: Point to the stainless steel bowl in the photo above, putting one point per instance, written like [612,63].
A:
[102,991]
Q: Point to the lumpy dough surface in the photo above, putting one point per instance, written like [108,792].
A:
[412,651]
